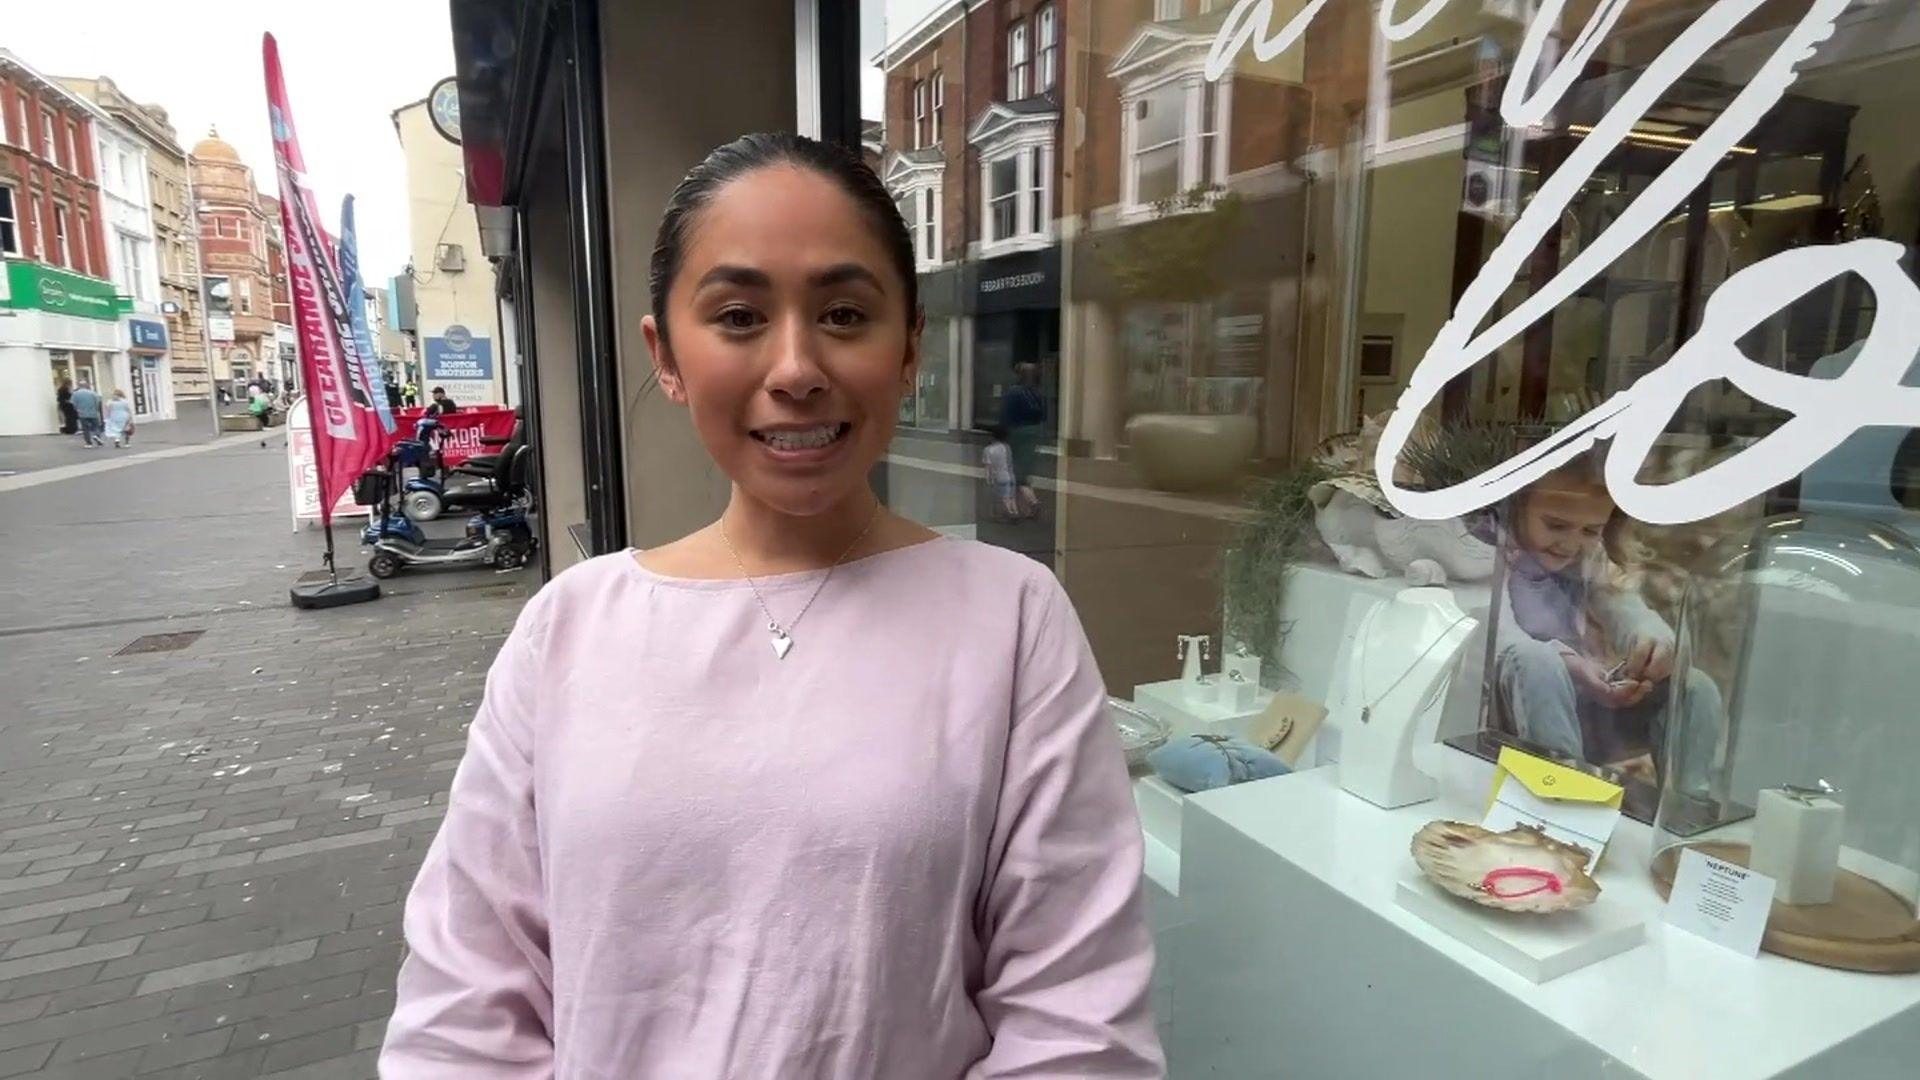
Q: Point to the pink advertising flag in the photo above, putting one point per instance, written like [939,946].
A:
[346,431]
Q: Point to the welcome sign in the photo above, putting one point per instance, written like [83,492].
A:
[1824,412]
[458,356]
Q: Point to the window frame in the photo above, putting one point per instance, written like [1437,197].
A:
[919,113]
[1046,21]
[73,147]
[1032,196]
[937,105]
[1199,134]
[1019,61]
[10,221]
[62,225]
[47,150]
[1168,10]
[245,298]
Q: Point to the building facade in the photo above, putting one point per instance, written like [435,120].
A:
[60,314]
[171,287]
[285,366]
[457,317]
[235,235]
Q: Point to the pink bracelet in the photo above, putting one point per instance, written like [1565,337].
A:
[1548,881]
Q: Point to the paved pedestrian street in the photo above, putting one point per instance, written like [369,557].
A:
[211,804]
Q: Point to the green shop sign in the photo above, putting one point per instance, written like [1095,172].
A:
[32,285]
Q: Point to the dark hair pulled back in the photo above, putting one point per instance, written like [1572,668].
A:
[727,163]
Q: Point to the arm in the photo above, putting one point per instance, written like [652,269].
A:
[1067,958]
[475,995]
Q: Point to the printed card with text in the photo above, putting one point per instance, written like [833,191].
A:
[1564,803]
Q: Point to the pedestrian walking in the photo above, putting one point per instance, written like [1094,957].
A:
[393,394]
[260,405]
[736,806]
[1022,412]
[119,419]
[86,411]
[997,460]
[412,394]
[63,400]
[442,404]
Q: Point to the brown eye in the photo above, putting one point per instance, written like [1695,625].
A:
[737,318]
[844,317]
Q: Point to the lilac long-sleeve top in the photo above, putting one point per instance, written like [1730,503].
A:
[908,850]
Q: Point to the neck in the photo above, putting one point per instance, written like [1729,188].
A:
[772,542]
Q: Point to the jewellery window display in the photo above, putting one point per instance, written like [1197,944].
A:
[1801,633]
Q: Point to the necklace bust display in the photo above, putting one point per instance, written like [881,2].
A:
[1398,669]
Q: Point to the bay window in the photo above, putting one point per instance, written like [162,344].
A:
[1174,138]
[1019,62]
[920,209]
[1019,200]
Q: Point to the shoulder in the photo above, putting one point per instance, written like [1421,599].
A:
[573,594]
[986,575]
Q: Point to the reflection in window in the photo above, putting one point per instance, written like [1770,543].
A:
[1019,62]
[1049,29]
[1002,195]
[1156,155]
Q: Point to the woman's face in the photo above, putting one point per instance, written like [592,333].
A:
[1559,526]
[788,338]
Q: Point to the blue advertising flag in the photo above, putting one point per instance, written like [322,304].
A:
[357,314]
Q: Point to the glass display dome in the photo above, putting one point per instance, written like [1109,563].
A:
[1792,738]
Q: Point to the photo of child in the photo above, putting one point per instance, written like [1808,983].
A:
[1582,667]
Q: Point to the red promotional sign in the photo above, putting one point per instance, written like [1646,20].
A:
[347,439]
[462,430]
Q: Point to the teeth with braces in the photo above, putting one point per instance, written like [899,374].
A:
[802,440]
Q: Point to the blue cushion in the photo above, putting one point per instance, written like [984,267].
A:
[1204,762]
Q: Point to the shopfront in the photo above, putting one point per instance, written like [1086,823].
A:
[148,376]
[1443,383]
[54,326]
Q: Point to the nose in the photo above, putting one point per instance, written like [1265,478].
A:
[797,372]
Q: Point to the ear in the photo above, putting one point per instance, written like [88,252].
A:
[664,368]
[910,369]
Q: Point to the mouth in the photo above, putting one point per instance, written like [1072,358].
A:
[806,441]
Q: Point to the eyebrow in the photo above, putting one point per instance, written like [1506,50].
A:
[748,277]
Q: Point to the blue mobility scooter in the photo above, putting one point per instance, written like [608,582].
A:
[474,484]
[500,537]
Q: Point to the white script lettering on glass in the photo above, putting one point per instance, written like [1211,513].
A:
[1825,411]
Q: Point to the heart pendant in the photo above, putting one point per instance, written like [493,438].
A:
[781,643]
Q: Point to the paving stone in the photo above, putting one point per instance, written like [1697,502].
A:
[316,783]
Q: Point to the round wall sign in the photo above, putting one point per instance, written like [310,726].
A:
[458,337]
[443,108]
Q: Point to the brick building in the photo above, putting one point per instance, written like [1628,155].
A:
[176,250]
[286,365]
[234,235]
[66,316]
[973,103]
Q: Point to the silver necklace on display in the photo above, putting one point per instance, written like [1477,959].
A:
[782,635]
[1367,707]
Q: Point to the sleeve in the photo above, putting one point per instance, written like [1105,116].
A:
[1068,961]
[475,993]
[1626,618]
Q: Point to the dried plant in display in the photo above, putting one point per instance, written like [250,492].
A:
[1521,869]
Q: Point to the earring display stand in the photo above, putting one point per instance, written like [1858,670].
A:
[1388,700]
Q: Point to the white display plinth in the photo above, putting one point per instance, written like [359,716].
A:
[1170,702]
[1536,947]
[1295,960]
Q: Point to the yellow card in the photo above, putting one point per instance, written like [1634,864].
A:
[1564,803]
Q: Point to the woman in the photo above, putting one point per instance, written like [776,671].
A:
[811,792]
[120,419]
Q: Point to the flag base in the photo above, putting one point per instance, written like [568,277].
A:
[326,594]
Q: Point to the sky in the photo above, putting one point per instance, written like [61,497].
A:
[348,63]
[882,21]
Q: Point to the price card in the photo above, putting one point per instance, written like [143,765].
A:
[1725,903]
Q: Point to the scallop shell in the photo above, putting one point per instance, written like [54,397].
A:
[1458,857]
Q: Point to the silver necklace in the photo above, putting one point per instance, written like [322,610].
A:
[783,635]
[1367,707]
